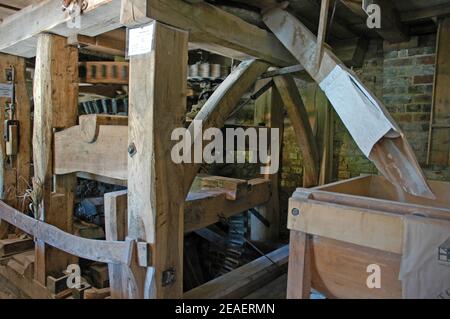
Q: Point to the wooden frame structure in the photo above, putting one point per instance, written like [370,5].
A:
[146,255]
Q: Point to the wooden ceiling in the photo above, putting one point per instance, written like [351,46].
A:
[349,19]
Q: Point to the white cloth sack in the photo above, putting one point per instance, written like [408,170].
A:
[360,111]
[422,274]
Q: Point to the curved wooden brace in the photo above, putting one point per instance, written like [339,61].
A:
[114,252]
[219,106]
[299,119]
[90,124]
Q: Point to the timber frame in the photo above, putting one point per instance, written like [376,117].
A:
[143,262]
[145,225]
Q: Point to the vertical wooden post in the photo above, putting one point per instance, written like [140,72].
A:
[156,198]
[15,171]
[325,138]
[269,111]
[299,118]
[115,229]
[299,269]
[439,134]
[55,107]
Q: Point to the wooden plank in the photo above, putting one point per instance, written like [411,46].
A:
[439,138]
[200,19]
[339,270]
[245,279]
[205,208]
[325,136]
[268,111]
[55,106]
[322,32]
[15,171]
[48,15]
[299,270]
[93,293]
[369,228]
[299,118]
[115,228]
[23,264]
[155,205]
[235,188]
[425,13]
[112,42]
[116,252]
[31,288]
[74,152]
[15,246]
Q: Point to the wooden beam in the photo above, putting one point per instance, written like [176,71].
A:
[231,37]
[322,32]
[206,207]
[439,134]
[155,183]
[353,225]
[426,13]
[112,42]
[244,280]
[15,171]
[325,137]
[18,32]
[116,252]
[299,118]
[269,112]
[115,228]
[299,270]
[87,147]
[15,246]
[55,106]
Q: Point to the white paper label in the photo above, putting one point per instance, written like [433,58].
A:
[140,40]
[6,90]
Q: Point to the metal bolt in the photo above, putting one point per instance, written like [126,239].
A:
[132,149]
[168,277]
[295,211]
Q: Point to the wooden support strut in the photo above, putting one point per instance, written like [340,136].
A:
[231,37]
[113,252]
[269,110]
[155,183]
[299,118]
[55,106]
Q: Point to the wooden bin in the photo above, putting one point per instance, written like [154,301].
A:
[338,230]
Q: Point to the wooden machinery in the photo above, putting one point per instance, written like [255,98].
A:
[338,230]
